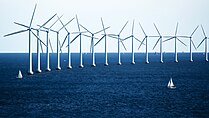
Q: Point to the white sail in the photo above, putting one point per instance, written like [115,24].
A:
[19,75]
[171,84]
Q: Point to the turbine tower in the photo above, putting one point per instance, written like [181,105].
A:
[206,44]
[67,37]
[79,35]
[191,43]
[145,39]
[132,43]
[29,29]
[117,36]
[92,43]
[161,44]
[104,37]
[175,38]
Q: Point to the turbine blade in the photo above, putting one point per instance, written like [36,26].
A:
[38,38]
[99,40]
[168,39]
[75,38]
[138,39]
[21,25]
[78,23]
[201,43]
[184,36]
[32,16]
[64,40]
[47,21]
[55,22]
[194,31]
[142,29]
[133,28]
[41,47]
[194,45]
[85,29]
[203,31]
[123,28]
[64,26]
[103,25]
[127,38]
[16,32]
[44,27]
[51,45]
[176,28]
[156,43]
[113,37]
[157,29]
[78,32]
[101,30]
[181,41]
[141,43]
[86,35]
[123,46]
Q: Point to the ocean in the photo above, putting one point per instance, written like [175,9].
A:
[125,90]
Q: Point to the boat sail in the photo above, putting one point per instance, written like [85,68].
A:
[19,76]
[171,84]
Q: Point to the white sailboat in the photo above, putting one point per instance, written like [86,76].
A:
[171,84]
[19,76]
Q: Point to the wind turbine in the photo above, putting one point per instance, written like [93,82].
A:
[206,44]
[104,37]
[79,35]
[145,39]
[161,44]
[117,36]
[92,43]
[47,41]
[67,37]
[132,39]
[191,42]
[29,29]
[175,38]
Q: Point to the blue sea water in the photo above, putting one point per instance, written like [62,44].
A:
[127,90]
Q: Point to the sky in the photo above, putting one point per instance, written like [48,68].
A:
[115,13]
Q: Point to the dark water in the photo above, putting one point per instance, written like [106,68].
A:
[114,91]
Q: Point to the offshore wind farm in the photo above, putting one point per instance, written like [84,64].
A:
[98,66]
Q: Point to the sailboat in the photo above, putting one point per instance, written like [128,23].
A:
[19,76]
[171,85]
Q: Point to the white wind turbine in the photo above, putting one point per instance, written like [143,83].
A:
[145,39]
[117,36]
[47,41]
[175,38]
[92,42]
[79,35]
[206,44]
[132,44]
[161,44]
[67,37]
[29,29]
[104,37]
[191,43]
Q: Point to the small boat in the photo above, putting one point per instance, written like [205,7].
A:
[171,84]
[19,76]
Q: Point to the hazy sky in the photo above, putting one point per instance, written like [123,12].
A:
[164,13]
